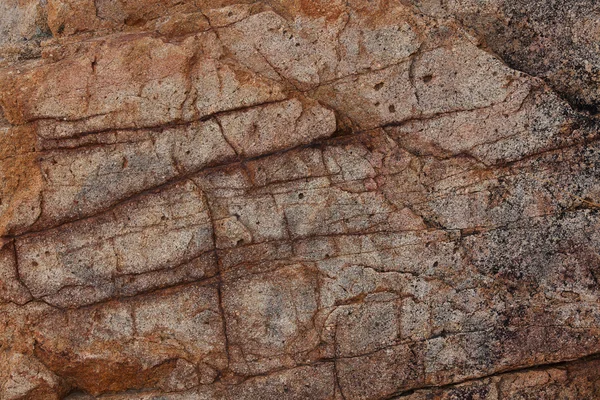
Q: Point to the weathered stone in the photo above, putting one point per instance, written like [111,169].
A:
[22,27]
[299,199]
[21,178]
[549,39]
[11,288]
[96,258]
[278,310]
[572,381]
[155,341]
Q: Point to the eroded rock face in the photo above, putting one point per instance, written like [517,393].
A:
[299,199]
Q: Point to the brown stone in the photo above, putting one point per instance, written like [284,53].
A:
[299,199]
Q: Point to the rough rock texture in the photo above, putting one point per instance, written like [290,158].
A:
[307,199]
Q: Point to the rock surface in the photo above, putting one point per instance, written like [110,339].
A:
[299,199]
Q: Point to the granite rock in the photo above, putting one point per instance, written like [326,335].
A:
[299,199]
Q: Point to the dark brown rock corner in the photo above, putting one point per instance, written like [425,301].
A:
[303,199]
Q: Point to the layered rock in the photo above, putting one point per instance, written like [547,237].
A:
[328,200]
